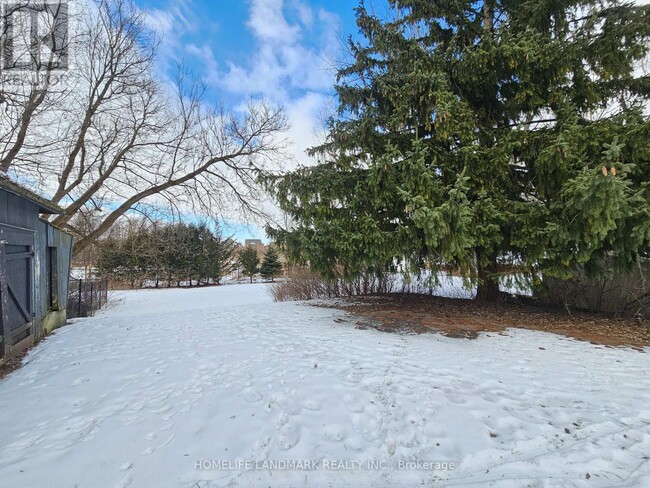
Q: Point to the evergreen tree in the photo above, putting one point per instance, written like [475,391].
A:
[249,261]
[476,132]
[220,256]
[170,252]
[271,264]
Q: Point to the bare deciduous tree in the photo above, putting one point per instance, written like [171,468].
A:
[23,100]
[118,138]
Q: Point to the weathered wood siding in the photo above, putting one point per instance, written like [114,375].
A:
[51,250]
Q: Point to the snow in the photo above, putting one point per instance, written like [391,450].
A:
[164,379]
[452,286]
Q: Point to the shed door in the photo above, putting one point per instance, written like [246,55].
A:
[16,288]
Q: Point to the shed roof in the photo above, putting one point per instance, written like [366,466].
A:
[44,206]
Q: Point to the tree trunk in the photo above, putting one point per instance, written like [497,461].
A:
[488,286]
[488,15]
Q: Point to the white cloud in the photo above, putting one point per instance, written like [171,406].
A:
[290,65]
[286,69]
[305,114]
[305,13]
[160,21]
[276,70]
[170,25]
[268,23]
[205,54]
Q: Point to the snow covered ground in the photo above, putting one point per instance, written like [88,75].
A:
[451,286]
[213,386]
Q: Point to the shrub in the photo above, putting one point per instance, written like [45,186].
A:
[303,284]
[621,293]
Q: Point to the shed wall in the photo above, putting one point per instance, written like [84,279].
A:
[50,264]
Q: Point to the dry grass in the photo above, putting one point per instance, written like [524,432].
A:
[303,284]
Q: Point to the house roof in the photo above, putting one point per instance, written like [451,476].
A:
[44,206]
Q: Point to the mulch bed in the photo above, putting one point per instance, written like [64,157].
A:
[467,318]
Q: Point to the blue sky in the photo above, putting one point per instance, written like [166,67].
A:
[285,51]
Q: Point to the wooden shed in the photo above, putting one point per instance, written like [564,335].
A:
[34,269]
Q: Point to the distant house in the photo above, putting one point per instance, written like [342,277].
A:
[34,269]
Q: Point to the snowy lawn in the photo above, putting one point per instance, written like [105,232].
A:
[164,379]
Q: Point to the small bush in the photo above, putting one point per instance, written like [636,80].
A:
[303,284]
[621,293]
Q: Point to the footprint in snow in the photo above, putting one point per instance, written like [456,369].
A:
[251,395]
[289,436]
[369,425]
[312,404]
[262,443]
[152,449]
[353,404]
[281,421]
[334,433]
[124,482]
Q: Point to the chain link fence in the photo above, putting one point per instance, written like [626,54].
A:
[85,297]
